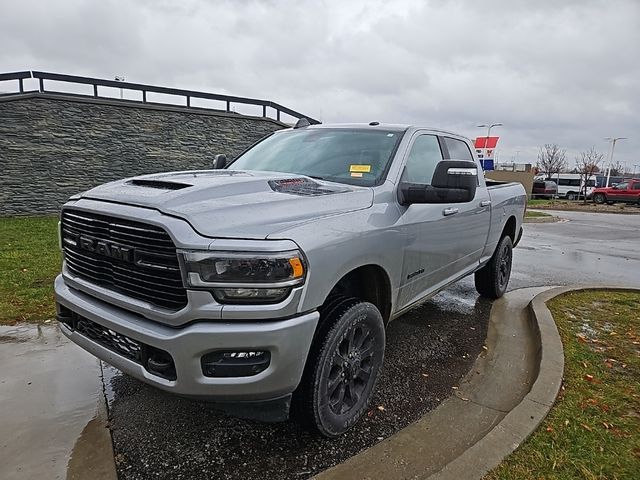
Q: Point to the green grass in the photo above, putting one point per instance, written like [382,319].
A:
[530,214]
[593,431]
[539,201]
[29,261]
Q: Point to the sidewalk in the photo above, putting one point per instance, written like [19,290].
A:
[50,408]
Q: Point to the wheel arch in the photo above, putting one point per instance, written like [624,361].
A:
[369,282]
[510,229]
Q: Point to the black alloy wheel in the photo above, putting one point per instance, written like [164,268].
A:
[342,367]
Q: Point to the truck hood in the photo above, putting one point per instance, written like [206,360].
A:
[236,204]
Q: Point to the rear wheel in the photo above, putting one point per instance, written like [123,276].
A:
[342,368]
[492,279]
[599,198]
[572,196]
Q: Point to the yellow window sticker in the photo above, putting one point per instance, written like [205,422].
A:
[356,174]
[360,168]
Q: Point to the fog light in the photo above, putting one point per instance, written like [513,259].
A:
[235,364]
[250,295]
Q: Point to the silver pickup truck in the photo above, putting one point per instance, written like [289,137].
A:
[269,281]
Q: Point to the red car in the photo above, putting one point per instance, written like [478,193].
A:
[628,191]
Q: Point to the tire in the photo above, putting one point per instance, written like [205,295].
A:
[492,279]
[572,196]
[599,198]
[342,367]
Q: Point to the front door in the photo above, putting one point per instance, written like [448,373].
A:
[440,240]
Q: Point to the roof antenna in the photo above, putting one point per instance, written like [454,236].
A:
[301,123]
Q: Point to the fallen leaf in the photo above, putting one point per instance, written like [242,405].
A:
[586,427]
[425,375]
[588,378]
[381,408]
[549,429]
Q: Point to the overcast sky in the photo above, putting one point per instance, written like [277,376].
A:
[565,72]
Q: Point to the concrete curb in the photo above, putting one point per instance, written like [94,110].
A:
[524,419]
[549,219]
[478,408]
[502,400]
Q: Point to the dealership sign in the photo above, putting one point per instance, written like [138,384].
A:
[485,148]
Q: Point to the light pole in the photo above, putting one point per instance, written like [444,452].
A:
[486,142]
[633,175]
[119,78]
[613,141]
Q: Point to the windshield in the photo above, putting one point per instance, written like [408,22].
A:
[353,156]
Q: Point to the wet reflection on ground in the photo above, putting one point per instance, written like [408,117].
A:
[49,389]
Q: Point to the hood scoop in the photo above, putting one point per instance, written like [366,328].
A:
[159,184]
[303,187]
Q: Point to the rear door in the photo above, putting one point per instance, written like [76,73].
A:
[635,187]
[470,225]
[620,192]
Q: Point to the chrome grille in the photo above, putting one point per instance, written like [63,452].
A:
[132,258]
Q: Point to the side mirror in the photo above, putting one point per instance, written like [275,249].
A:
[453,181]
[219,161]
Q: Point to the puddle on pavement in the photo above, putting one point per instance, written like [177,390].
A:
[49,389]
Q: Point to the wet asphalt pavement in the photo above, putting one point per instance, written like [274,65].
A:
[157,435]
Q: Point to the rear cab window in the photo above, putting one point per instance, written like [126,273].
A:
[458,150]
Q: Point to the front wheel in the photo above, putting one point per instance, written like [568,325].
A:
[342,368]
[492,279]
[599,198]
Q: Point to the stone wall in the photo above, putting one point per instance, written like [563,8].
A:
[53,146]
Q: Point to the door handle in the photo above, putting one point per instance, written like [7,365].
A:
[449,211]
[485,203]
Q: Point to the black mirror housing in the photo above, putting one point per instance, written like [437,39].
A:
[453,181]
[219,161]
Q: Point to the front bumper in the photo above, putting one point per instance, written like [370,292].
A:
[288,342]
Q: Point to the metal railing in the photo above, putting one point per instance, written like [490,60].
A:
[188,95]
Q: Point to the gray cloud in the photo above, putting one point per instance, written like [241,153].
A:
[564,72]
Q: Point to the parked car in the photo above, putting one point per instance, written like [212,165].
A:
[572,185]
[544,189]
[271,280]
[627,192]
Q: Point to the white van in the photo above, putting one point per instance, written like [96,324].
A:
[570,186]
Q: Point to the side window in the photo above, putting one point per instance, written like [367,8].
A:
[458,150]
[636,186]
[424,156]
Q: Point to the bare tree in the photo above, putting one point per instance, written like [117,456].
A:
[617,169]
[588,164]
[551,159]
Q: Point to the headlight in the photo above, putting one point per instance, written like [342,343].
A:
[250,277]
